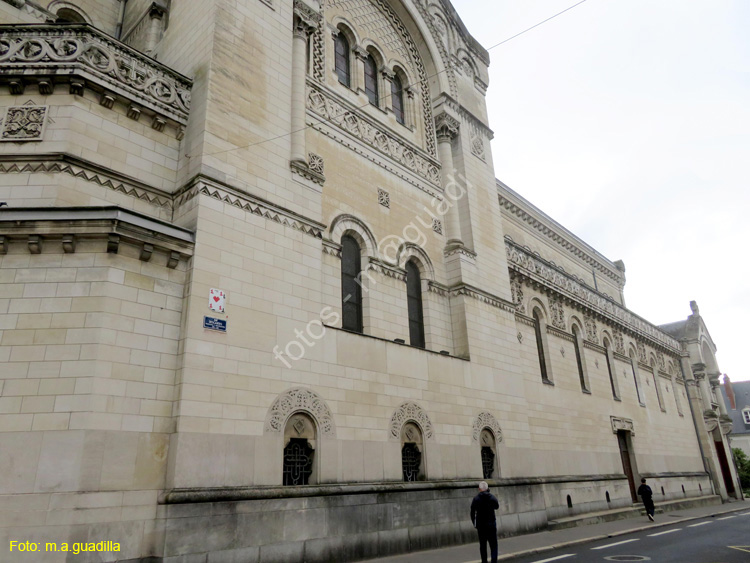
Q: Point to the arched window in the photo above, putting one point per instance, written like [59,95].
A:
[351,288]
[582,373]
[371,80]
[412,460]
[489,453]
[657,386]
[634,369]
[397,98]
[299,450]
[610,369]
[414,305]
[540,330]
[342,59]
[69,15]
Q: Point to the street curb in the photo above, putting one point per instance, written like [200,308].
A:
[570,543]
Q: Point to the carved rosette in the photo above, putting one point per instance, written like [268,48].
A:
[486,420]
[24,123]
[409,411]
[300,399]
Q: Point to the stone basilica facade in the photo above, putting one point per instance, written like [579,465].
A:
[263,299]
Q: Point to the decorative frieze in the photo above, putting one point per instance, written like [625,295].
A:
[341,114]
[622,424]
[24,123]
[524,262]
[387,269]
[82,51]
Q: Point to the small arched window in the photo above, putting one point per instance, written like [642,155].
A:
[351,288]
[540,329]
[342,60]
[414,305]
[412,460]
[371,80]
[299,450]
[397,97]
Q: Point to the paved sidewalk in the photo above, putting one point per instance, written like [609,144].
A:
[541,542]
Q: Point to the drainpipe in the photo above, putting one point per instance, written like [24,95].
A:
[121,19]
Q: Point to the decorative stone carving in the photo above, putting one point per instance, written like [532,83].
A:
[56,50]
[316,163]
[24,123]
[557,312]
[300,399]
[349,119]
[477,143]
[641,347]
[711,419]
[437,225]
[522,260]
[486,420]
[306,17]
[384,198]
[619,342]
[660,361]
[446,127]
[409,411]
[622,424]
[520,337]
[516,291]
[591,332]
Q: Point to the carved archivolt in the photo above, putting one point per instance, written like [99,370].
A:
[300,399]
[346,223]
[486,420]
[409,411]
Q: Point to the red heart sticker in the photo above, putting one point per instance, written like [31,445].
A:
[216,299]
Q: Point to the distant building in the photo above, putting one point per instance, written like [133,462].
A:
[737,398]
[263,299]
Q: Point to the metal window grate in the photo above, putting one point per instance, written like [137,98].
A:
[488,462]
[411,459]
[298,461]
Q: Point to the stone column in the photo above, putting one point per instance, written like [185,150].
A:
[713,379]
[705,389]
[358,72]
[305,22]
[446,128]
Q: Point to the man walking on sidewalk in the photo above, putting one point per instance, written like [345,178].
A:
[483,509]
[645,492]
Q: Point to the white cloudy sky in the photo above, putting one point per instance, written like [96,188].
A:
[628,121]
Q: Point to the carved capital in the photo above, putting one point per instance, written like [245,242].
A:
[306,20]
[446,127]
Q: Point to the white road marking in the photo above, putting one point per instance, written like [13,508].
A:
[726,518]
[555,558]
[612,544]
[662,533]
[745,514]
[698,524]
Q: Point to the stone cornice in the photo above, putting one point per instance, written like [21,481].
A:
[61,52]
[62,163]
[523,262]
[69,224]
[560,333]
[202,185]
[387,269]
[483,296]
[331,248]
[465,114]
[516,205]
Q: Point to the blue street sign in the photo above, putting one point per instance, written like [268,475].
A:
[214,324]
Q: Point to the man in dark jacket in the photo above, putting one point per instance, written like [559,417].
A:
[645,492]
[483,509]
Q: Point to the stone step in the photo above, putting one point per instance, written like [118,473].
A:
[630,512]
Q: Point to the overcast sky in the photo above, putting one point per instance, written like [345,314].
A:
[628,121]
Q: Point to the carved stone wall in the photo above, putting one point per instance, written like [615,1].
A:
[297,399]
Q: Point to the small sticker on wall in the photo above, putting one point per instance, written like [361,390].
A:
[216,300]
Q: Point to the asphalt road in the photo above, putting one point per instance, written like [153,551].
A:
[723,539]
